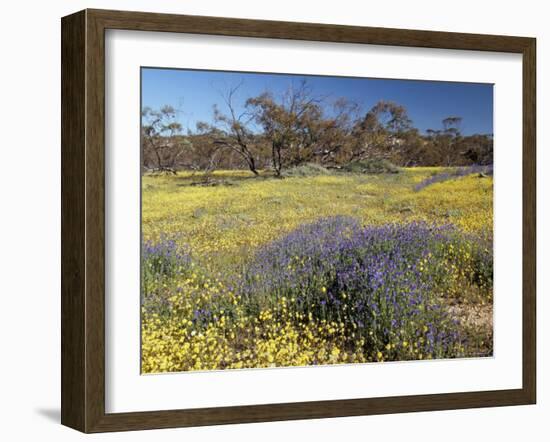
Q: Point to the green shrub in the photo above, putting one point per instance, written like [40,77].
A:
[371,166]
[307,169]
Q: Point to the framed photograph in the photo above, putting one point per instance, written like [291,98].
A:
[267,221]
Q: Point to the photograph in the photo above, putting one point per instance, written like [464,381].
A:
[302,220]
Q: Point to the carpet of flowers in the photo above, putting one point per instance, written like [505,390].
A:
[259,276]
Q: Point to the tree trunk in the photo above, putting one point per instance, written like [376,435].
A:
[276,158]
[252,166]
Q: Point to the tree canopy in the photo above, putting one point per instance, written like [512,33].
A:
[278,131]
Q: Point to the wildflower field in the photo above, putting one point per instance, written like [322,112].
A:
[335,267]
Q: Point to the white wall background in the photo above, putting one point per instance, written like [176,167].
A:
[30,217]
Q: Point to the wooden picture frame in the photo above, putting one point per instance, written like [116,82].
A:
[83,220]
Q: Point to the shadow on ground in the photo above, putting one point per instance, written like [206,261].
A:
[51,414]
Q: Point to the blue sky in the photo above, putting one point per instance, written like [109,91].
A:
[427,102]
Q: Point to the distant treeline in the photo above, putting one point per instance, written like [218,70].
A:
[297,127]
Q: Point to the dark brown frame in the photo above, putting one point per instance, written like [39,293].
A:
[83,216]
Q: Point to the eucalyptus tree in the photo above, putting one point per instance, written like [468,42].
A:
[232,130]
[288,121]
[162,139]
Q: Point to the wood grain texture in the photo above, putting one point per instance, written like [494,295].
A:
[73,132]
[144,21]
[83,220]
[95,221]
[529,220]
